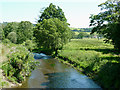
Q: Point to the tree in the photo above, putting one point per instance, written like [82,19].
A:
[107,22]
[24,31]
[12,36]
[1,33]
[73,35]
[52,12]
[52,34]
[82,34]
[12,26]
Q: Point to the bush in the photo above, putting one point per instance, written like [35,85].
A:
[6,41]
[29,44]
[20,64]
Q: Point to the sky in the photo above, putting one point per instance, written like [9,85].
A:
[77,12]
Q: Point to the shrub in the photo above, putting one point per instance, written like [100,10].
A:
[29,44]
[20,64]
[6,41]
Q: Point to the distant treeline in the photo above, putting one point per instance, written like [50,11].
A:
[81,29]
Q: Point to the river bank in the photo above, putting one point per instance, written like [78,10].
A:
[93,57]
[16,64]
[53,74]
[96,59]
[5,83]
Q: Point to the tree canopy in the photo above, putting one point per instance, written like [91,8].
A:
[107,22]
[12,26]
[52,12]
[24,31]
[1,34]
[52,33]
[12,36]
[82,34]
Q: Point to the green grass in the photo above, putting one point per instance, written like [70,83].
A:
[95,58]
[77,44]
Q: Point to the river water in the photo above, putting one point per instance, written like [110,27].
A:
[53,74]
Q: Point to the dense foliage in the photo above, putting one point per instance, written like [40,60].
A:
[10,27]
[17,32]
[29,44]
[12,36]
[82,34]
[52,30]
[2,36]
[52,12]
[24,31]
[20,64]
[52,34]
[107,22]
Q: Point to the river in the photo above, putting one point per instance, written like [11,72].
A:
[53,74]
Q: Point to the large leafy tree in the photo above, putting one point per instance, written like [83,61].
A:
[10,27]
[107,22]
[52,34]
[52,12]
[24,31]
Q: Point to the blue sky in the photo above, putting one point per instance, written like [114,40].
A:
[77,12]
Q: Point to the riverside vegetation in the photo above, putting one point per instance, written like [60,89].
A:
[98,60]
[18,64]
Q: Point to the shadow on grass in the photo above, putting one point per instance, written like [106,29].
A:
[111,58]
[104,51]
[109,75]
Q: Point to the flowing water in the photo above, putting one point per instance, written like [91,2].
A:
[53,74]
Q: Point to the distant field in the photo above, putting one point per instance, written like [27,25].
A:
[97,59]
[76,33]
[85,43]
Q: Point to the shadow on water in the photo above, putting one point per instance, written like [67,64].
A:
[53,74]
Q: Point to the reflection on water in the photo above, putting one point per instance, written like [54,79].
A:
[53,74]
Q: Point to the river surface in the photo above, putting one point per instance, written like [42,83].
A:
[53,74]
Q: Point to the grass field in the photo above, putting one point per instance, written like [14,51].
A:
[95,58]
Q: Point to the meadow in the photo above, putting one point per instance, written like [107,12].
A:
[98,60]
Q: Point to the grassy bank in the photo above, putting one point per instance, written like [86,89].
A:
[95,58]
